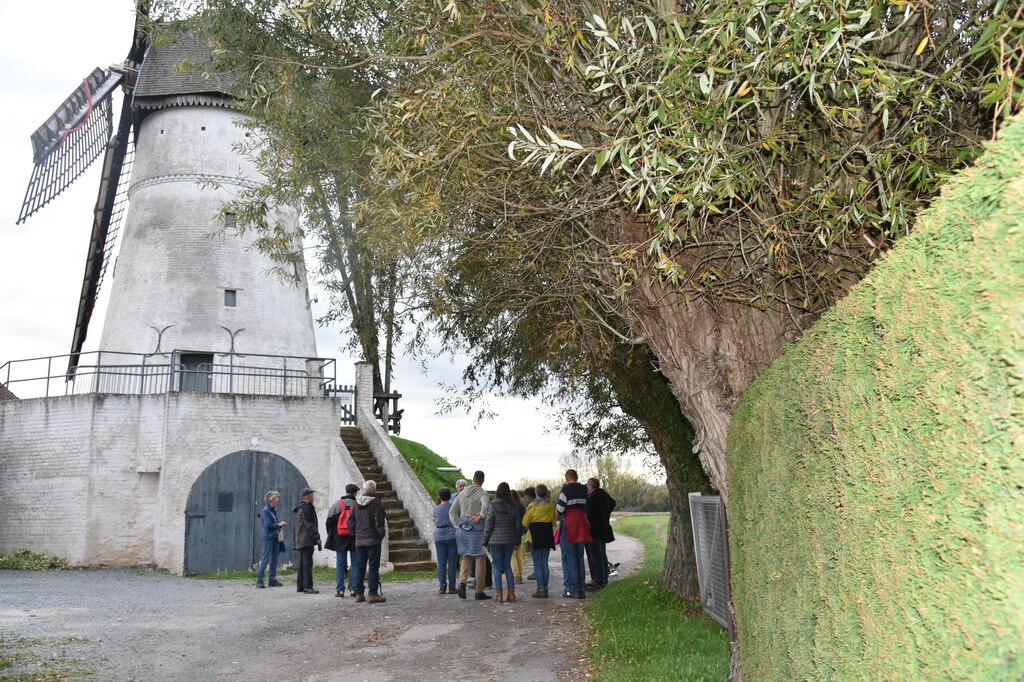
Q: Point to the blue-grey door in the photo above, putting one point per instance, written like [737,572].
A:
[222,515]
[196,372]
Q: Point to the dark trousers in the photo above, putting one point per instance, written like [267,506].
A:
[368,557]
[597,561]
[304,580]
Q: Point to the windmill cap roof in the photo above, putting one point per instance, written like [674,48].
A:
[160,76]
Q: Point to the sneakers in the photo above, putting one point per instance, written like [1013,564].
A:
[353,594]
[340,593]
[275,583]
[532,576]
[374,599]
[462,590]
[310,590]
[480,596]
[579,594]
[443,589]
[568,594]
[540,593]
[452,589]
[260,585]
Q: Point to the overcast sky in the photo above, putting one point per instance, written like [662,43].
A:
[46,50]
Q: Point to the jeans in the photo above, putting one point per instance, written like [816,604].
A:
[541,570]
[271,548]
[502,556]
[368,555]
[344,561]
[573,566]
[597,558]
[304,579]
[447,561]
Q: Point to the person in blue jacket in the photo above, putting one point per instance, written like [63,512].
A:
[271,546]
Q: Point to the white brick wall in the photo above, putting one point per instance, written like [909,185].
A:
[103,479]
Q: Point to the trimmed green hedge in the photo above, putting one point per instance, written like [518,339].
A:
[876,470]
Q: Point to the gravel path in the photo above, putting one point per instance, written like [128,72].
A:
[145,625]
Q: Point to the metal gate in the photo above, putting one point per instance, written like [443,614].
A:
[223,531]
[710,545]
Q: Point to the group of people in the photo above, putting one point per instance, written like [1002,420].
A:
[468,524]
[472,525]
[355,532]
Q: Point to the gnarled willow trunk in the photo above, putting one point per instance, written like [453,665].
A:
[644,394]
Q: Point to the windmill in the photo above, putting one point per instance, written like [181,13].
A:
[174,286]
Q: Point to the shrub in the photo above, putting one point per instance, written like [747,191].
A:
[876,475]
[27,560]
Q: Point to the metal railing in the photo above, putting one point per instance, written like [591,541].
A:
[145,373]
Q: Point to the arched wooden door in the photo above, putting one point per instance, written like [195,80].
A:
[222,514]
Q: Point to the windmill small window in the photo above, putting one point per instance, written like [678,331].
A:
[230,298]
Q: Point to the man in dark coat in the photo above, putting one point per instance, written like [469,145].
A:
[305,537]
[599,512]
[370,529]
[342,541]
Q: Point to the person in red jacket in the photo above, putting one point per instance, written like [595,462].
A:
[574,534]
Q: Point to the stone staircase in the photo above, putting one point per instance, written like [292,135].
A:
[407,550]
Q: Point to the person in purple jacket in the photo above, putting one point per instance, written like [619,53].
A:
[444,543]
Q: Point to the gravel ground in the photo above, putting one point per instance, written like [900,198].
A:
[147,625]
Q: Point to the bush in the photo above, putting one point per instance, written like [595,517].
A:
[27,560]
[875,470]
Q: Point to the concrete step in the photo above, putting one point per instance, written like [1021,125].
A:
[406,555]
[415,566]
[391,504]
[402,534]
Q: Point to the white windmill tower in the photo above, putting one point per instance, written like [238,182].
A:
[206,390]
[175,285]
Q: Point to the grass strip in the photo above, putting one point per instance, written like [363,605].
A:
[639,630]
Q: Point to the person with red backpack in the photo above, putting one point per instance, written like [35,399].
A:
[341,539]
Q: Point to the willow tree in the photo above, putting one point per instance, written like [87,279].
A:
[716,178]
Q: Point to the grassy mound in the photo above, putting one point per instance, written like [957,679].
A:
[877,469]
[424,463]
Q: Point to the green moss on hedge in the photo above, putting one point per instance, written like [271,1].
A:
[877,469]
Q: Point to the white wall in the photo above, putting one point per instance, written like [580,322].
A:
[102,480]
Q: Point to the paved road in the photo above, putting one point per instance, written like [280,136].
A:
[144,625]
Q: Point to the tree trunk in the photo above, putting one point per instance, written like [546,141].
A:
[644,394]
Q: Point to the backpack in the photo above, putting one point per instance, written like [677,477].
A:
[343,527]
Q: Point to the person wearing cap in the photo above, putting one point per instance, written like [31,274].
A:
[370,528]
[341,541]
[305,538]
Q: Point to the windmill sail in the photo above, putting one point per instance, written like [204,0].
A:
[71,139]
[111,202]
